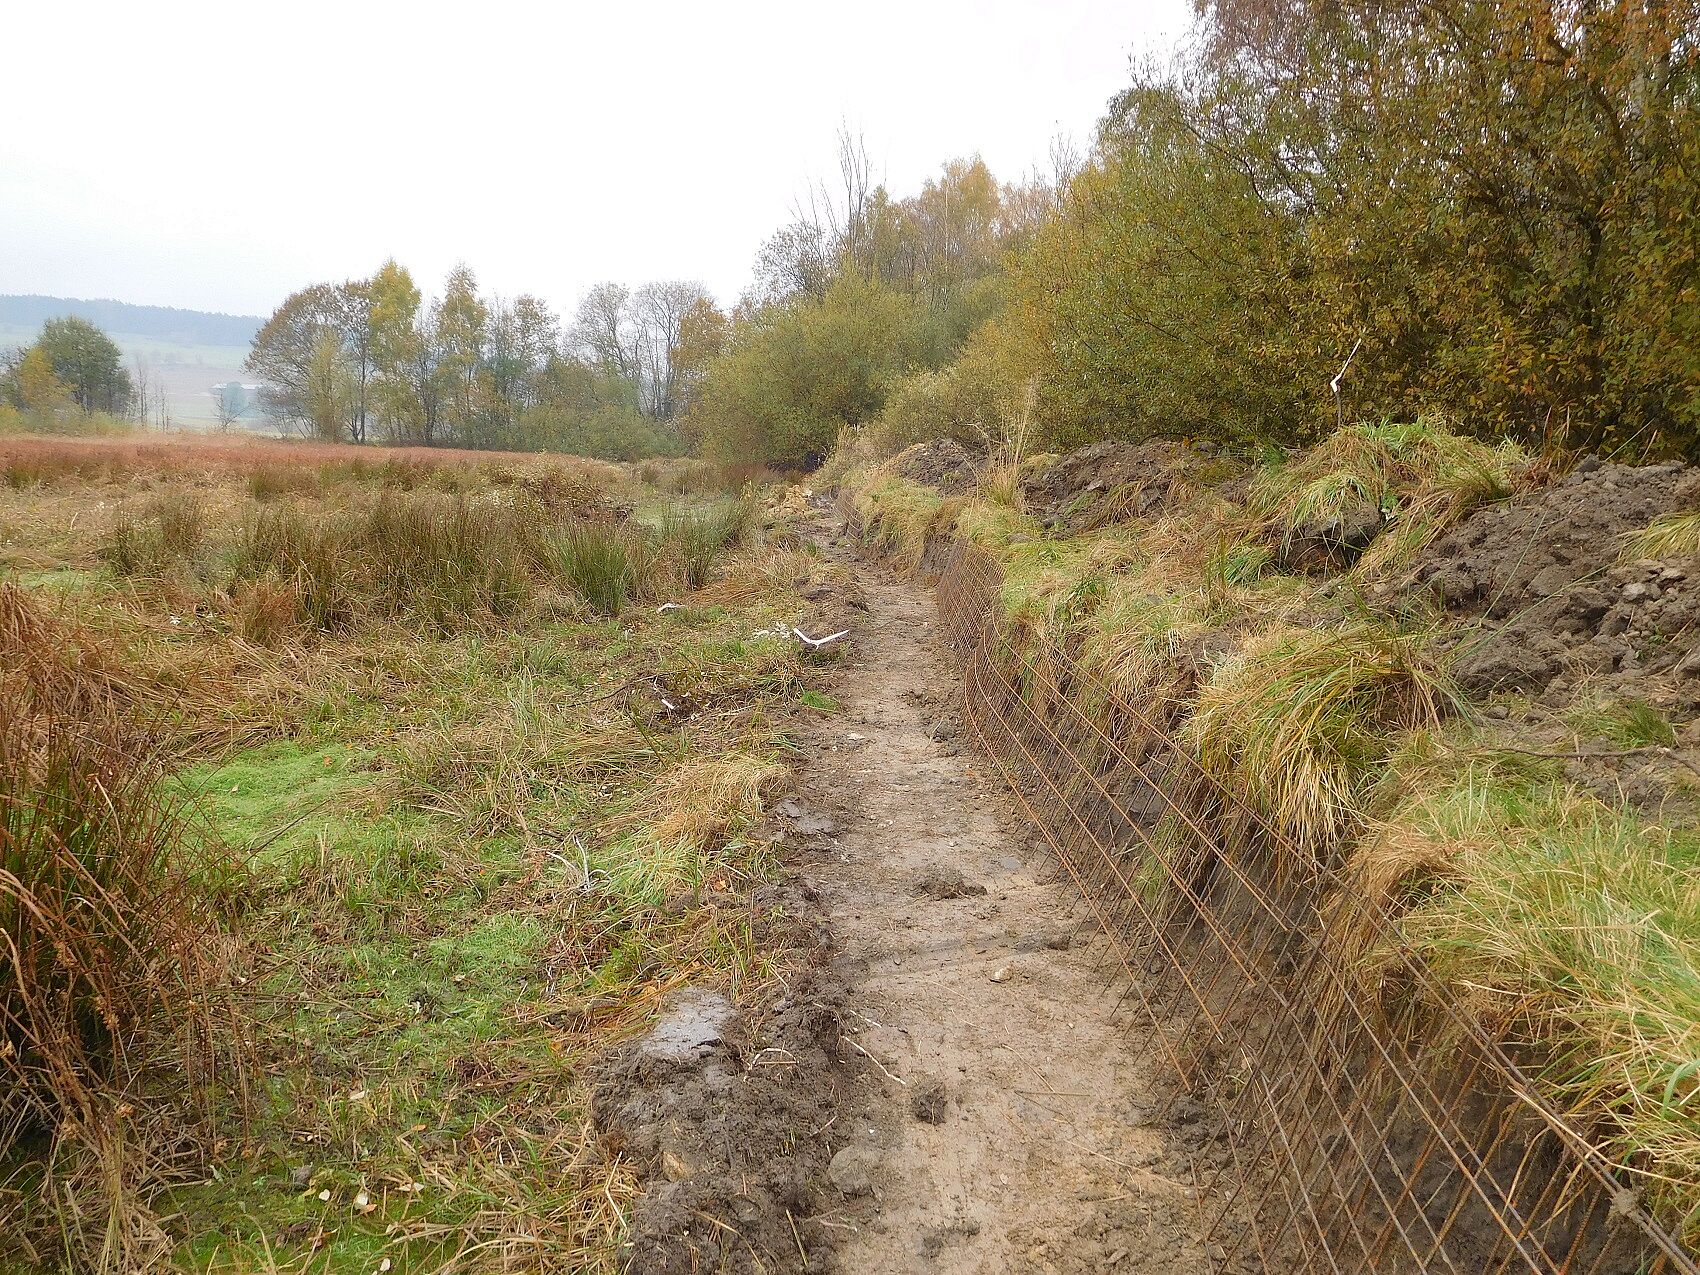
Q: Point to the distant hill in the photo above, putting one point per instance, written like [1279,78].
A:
[163,323]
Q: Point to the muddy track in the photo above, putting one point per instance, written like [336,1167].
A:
[1003,1124]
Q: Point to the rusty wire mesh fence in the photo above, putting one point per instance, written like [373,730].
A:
[1367,1128]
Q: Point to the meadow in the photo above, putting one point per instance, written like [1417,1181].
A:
[398,795]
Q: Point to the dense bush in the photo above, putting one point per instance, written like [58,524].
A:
[1490,202]
[798,371]
[1484,208]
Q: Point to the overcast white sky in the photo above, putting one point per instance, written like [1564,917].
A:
[217,156]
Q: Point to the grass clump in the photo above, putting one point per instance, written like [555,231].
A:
[1132,642]
[115,1028]
[1300,721]
[1580,926]
[700,537]
[170,531]
[899,516]
[1671,536]
[439,559]
[269,481]
[288,546]
[599,561]
[1628,723]
[1419,476]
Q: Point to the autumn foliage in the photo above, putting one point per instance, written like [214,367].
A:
[1486,209]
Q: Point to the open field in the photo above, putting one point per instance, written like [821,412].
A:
[441,802]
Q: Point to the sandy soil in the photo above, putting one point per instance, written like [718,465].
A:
[1004,1125]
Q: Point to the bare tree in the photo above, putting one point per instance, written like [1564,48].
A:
[843,215]
[658,310]
[141,376]
[796,261]
[603,331]
[230,401]
[161,407]
[828,229]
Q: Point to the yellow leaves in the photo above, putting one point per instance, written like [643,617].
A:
[39,387]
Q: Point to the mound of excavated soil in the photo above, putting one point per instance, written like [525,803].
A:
[942,463]
[728,1121]
[1071,492]
[1542,575]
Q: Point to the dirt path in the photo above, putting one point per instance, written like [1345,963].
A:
[1009,1135]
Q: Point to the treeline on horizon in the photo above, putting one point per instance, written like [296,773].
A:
[162,323]
[372,360]
[1481,210]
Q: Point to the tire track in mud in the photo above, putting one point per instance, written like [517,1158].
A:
[1005,1124]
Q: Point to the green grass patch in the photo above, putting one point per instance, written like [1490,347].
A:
[1628,723]
[1582,924]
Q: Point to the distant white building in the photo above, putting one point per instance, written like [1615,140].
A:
[233,400]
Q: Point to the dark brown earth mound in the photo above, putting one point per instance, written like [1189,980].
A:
[942,463]
[1106,482]
[1542,575]
[730,1119]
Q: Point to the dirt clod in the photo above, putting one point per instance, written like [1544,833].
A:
[716,1136]
[945,882]
[852,1170]
[806,821]
[1108,481]
[928,1100]
[1045,941]
[933,1241]
[1542,576]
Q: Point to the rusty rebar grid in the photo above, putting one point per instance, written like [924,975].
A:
[1352,1144]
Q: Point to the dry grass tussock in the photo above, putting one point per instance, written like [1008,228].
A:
[1571,927]
[196,696]
[1419,476]
[900,517]
[118,1039]
[1301,719]
[697,804]
[1672,536]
